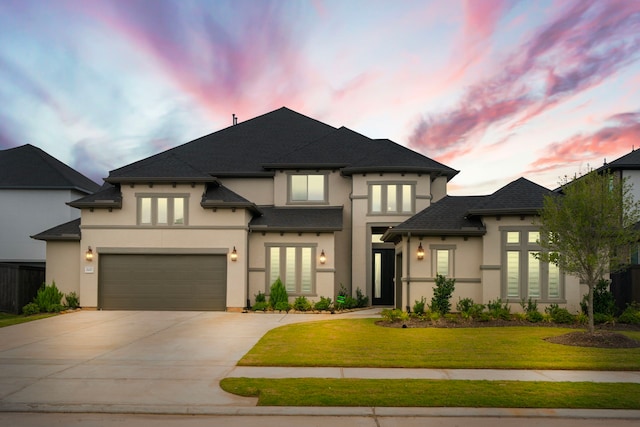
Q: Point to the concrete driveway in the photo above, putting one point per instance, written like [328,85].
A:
[129,361]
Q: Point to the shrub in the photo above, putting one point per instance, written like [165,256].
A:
[530,308]
[48,299]
[442,294]
[278,294]
[498,310]
[469,309]
[260,297]
[631,314]
[283,306]
[323,305]
[600,318]
[72,299]
[361,300]
[603,300]
[344,300]
[302,304]
[30,309]
[418,307]
[394,315]
[559,315]
[260,306]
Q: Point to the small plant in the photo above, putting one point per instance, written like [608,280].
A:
[631,314]
[323,305]
[283,306]
[72,299]
[361,300]
[530,309]
[442,294]
[603,301]
[394,315]
[30,309]
[559,315]
[418,307]
[469,309]
[260,306]
[344,301]
[302,304]
[48,300]
[498,310]
[278,295]
[260,297]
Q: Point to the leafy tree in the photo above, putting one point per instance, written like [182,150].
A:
[586,231]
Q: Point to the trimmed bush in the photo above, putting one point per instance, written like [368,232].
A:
[604,302]
[559,315]
[47,300]
[498,310]
[361,300]
[260,297]
[72,299]
[441,301]
[394,315]
[469,309]
[323,305]
[302,304]
[278,295]
[30,309]
[418,307]
[260,306]
[631,314]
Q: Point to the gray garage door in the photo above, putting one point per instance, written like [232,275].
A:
[162,282]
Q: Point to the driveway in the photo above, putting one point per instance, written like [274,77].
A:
[129,361]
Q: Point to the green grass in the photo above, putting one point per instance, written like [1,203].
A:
[360,343]
[7,319]
[435,393]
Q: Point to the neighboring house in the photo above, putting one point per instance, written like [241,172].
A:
[209,224]
[34,188]
[487,244]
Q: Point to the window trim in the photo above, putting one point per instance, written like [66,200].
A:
[171,197]
[524,248]
[290,200]
[434,259]
[384,191]
[298,268]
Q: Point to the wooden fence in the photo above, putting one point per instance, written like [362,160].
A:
[18,286]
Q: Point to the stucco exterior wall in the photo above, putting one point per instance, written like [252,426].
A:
[24,213]
[63,265]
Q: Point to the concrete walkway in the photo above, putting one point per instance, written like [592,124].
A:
[127,362]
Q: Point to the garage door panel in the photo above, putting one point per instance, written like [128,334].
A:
[162,282]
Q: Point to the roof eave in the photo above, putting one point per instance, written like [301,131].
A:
[285,229]
[504,211]
[393,232]
[217,204]
[47,238]
[289,166]
[98,204]
[156,179]
[401,169]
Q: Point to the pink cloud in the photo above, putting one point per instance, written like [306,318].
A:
[620,136]
[584,45]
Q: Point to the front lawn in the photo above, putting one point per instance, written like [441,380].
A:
[361,343]
[434,393]
[7,319]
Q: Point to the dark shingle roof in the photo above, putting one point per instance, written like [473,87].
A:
[298,219]
[108,197]
[446,217]
[279,139]
[628,161]
[28,167]
[520,197]
[218,196]
[67,231]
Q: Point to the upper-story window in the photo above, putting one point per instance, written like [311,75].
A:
[162,210]
[391,198]
[305,188]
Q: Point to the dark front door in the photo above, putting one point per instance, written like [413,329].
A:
[382,276]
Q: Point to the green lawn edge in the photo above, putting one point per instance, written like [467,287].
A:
[435,393]
[15,319]
[362,343]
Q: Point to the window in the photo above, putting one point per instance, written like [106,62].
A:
[391,198]
[294,265]
[161,210]
[442,256]
[307,188]
[525,276]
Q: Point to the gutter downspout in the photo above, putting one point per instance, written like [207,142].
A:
[408,257]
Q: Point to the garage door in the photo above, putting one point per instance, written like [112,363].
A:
[162,282]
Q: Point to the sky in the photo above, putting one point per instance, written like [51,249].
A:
[496,89]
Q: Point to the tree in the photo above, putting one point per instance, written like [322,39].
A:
[588,229]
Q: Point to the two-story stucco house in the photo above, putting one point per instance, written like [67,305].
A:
[34,190]
[209,224]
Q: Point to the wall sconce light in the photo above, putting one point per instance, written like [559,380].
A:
[89,254]
[234,255]
[323,257]
[420,252]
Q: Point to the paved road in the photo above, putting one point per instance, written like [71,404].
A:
[94,367]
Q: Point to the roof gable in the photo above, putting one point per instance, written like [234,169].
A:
[29,167]
[518,197]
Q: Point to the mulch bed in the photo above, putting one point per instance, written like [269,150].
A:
[605,336]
